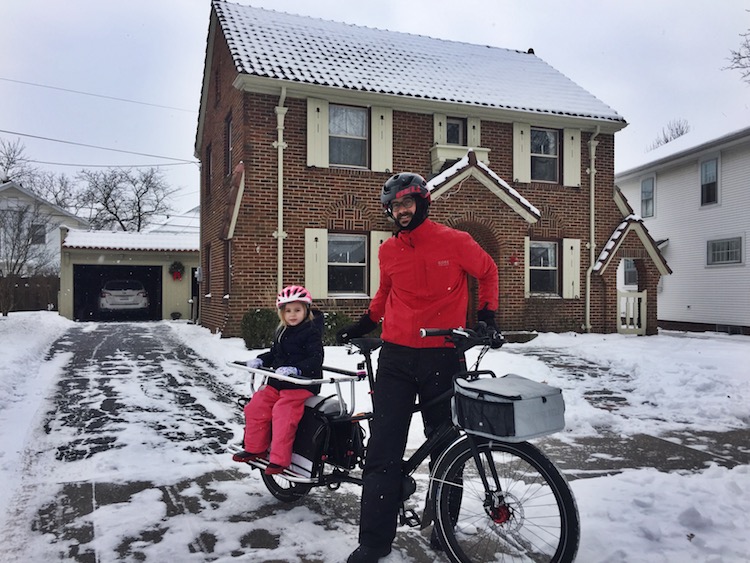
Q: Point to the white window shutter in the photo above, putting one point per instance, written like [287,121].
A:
[522,153]
[474,132]
[571,263]
[440,129]
[316,262]
[382,139]
[317,133]
[526,280]
[376,239]
[572,157]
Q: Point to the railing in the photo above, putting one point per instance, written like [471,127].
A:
[631,312]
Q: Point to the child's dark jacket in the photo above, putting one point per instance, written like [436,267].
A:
[298,346]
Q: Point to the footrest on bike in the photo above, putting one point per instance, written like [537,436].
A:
[262,462]
[409,518]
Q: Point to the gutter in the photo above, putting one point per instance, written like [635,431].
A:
[279,144]
[592,231]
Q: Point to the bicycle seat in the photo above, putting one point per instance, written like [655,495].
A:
[367,345]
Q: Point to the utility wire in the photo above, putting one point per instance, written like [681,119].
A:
[96,95]
[97,147]
[112,165]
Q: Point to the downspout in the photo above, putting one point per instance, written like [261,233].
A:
[279,144]
[592,231]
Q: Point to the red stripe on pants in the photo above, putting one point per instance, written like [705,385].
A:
[280,410]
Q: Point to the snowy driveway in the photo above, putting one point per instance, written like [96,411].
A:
[129,461]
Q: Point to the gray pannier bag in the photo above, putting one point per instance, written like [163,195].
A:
[510,408]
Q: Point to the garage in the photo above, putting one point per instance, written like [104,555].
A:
[160,264]
[88,281]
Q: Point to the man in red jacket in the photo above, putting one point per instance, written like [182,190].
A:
[424,273]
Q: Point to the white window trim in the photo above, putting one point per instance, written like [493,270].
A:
[717,158]
[380,132]
[571,270]
[743,252]
[653,196]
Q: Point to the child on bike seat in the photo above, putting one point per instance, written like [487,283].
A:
[297,351]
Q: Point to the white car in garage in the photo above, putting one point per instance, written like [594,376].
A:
[123,295]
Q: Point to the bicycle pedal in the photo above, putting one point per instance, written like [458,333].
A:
[410,518]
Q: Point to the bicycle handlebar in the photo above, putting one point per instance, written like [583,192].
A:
[465,338]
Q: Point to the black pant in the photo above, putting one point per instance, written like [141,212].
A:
[403,374]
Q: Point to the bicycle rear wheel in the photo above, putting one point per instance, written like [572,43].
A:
[283,489]
[529,513]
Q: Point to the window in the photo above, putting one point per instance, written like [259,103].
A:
[207,170]
[347,136]
[38,234]
[455,131]
[647,197]
[545,150]
[709,181]
[228,145]
[543,272]
[725,251]
[631,274]
[347,263]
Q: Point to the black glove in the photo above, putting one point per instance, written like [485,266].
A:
[486,326]
[364,325]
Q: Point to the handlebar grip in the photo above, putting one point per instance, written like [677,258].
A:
[425,332]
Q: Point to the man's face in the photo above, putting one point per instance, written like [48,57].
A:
[402,209]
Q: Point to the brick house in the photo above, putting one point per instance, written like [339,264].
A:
[302,120]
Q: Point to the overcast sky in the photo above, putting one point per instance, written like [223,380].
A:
[653,61]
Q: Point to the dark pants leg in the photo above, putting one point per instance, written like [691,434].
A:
[403,374]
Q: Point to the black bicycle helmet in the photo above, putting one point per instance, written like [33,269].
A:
[405,183]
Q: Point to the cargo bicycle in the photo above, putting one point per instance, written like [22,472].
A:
[491,495]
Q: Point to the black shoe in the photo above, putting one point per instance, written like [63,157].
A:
[366,554]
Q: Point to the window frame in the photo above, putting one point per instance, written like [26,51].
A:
[536,156]
[557,268]
[628,271]
[228,145]
[648,200]
[711,252]
[704,184]
[462,129]
[38,234]
[367,138]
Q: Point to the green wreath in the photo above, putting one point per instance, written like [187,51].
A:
[176,269]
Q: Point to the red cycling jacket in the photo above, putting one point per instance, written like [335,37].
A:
[423,283]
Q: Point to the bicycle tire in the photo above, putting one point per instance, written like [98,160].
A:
[534,519]
[283,489]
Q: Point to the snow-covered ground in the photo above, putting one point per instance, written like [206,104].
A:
[672,382]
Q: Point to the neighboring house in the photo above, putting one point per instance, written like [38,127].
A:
[164,262]
[302,120]
[44,219]
[694,197]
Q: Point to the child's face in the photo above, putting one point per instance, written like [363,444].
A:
[294,313]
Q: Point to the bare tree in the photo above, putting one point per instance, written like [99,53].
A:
[674,129]
[123,198]
[13,163]
[740,59]
[24,252]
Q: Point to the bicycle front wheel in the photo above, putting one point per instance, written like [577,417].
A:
[527,513]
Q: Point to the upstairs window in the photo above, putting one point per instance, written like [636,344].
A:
[647,197]
[709,181]
[724,251]
[38,234]
[545,153]
[347,136]
[455,131]
[228,145]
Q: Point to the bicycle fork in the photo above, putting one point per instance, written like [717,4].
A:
[494,500]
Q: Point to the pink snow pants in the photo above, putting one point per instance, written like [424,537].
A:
[280,409]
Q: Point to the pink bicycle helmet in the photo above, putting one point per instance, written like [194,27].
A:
[293,293]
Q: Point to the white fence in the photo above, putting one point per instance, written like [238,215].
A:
[631,312]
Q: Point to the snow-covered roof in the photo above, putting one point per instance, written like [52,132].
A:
[270,44]
[631,222]
[469,164]
[10,185]
[121,240]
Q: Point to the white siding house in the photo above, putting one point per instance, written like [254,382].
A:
[694,197]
